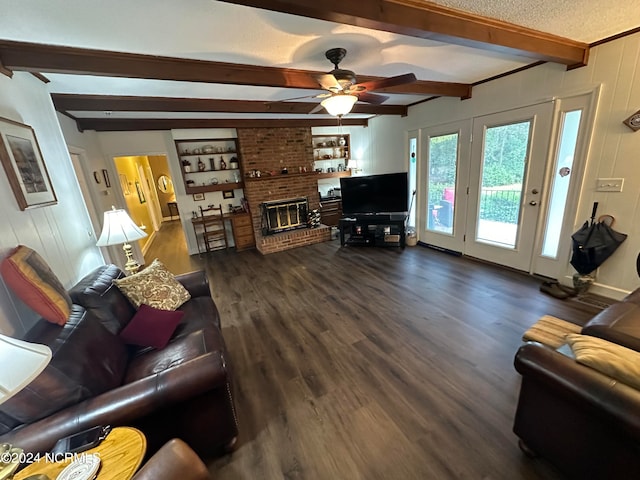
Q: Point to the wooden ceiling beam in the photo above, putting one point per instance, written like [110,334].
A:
[73,102]
[422,19]
[33,57]
[126,124]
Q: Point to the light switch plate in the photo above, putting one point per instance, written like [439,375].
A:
[609,184]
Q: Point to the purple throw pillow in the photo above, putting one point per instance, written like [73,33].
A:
[151,327]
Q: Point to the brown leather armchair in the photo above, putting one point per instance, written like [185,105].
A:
[584,422]
[174,460]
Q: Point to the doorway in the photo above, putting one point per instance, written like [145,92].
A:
[498,187]
[147,188]
[506,180]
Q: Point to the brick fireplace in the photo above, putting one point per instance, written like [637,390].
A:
[269,151]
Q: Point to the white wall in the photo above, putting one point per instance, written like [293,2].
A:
[62,234]
[614,147]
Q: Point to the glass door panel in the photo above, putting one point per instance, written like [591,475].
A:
[563,165]
[503,169]
[441,184]
[413,179]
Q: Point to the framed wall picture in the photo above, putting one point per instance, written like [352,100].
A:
[107,180]
[227,194]
[197,197]
[22,161]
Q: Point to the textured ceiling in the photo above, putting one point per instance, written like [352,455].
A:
[583,20]
[224,32]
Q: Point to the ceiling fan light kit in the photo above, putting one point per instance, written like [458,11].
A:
[343,89]
[339,105]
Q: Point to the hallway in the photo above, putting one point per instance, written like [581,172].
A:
[170,247]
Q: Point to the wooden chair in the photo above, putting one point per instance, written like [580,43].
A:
[214,234]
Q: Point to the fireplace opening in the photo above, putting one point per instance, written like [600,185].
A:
[282,215]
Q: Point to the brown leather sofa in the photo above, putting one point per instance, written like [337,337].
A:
[584,422]
[94,378]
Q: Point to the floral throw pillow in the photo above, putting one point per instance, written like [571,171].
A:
[154,286]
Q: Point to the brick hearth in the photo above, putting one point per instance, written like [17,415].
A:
[269,150]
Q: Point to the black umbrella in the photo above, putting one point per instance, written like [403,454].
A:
[594,243]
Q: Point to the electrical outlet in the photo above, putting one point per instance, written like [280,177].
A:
[609,184]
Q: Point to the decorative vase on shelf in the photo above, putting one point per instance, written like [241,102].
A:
[212,162]
[201,165]
[342,142]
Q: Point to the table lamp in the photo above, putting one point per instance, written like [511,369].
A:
[119,228]
[21,363]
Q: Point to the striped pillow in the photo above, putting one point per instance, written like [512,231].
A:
[31,279]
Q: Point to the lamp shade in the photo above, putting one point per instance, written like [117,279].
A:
[339,105]
[20,362]
[118,228]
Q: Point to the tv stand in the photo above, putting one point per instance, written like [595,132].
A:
[373,230]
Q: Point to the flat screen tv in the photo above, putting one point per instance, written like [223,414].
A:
[375,194]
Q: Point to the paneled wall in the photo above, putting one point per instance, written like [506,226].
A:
[62,233]
[615,66]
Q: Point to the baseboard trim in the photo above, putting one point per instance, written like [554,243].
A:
[600,289]
[148,244]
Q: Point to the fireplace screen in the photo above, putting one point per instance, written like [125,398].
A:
[283,215]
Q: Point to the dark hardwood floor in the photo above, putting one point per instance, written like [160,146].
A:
[370,363]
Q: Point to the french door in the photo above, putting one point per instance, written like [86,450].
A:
[509,155]
[444,179]
[482,184]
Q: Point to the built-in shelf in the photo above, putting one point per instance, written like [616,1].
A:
[332,145]
[213,188]
[304,174]
[346,173]
[225,148]
[212,170]
[205,154]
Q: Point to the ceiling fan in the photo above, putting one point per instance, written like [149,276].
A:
[343,89]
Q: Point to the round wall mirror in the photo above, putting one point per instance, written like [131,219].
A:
[165,185]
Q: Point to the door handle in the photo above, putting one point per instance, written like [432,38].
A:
[533,202]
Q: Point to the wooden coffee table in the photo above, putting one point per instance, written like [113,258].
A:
[120,456]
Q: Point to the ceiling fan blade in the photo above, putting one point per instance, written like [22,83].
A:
[316,109]
[328,82]
[372,98]
[289,99]
[385,82]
